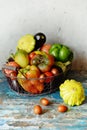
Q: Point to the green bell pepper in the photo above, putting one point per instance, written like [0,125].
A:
[61,52]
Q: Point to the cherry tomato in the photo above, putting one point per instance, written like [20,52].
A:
[62,108]
[48,75]
[31,55]
[54,71]
[37,109]
[46,48]
[44,101]
[42,78]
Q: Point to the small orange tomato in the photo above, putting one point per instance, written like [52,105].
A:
[39,86]
[42,78]
[62,108]
[46,47]
[44,101]
[48,75]
[37,109]
[31,55]
[54,71]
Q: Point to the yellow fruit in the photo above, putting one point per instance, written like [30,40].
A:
[26,43]
[72,92]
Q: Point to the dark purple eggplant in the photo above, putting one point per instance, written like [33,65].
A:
[40,39]
[14,85]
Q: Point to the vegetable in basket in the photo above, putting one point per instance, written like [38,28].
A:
[27,78]
[39,66]
[43,61]
[61,52]
[26,43]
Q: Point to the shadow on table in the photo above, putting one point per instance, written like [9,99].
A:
[85,100]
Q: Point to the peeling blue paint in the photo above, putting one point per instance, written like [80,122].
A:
[16,112]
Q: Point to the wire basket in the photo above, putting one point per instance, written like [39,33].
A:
[48,84]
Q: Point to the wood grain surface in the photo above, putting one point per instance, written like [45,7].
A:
[16,111]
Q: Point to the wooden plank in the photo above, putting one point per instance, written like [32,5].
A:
[16,112]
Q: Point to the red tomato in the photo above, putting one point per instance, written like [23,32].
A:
[42,78]
[51,58]
[31,55]
[44,101]
[48,75]
[62,108]
[38,109]
[54,71]
[45,48]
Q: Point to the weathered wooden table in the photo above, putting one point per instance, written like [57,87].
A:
[16,111]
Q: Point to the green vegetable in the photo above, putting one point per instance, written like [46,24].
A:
[61,52]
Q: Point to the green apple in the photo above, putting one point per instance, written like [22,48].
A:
[21,58]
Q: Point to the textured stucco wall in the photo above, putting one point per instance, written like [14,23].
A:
[61,20]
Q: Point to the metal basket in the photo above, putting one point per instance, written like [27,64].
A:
[49,87]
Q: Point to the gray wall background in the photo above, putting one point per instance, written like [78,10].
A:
[62,21]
